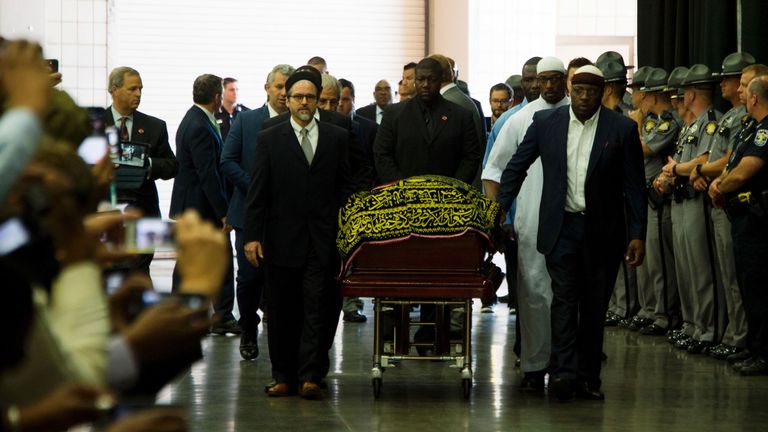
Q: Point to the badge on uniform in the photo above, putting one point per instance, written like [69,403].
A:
[761,137]
[694,128]
[663,127]
[711,128]
[649,126]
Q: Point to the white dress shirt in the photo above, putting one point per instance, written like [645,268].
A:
[312,133]
[272,112]
[379,114]
[581,136]
[118,119]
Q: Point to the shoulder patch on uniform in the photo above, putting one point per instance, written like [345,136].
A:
[711,128]
[649,125]
[663,127]
[761,137]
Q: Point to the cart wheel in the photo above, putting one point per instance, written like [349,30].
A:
[466,385]
[376,387]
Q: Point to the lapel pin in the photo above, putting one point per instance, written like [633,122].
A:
[141,131]
[444,118]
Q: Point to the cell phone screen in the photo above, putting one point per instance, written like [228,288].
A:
[149,234]
[13,235]
[93,149]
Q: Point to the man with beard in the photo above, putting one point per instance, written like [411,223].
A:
[534,292]
[593,170]
[499,98]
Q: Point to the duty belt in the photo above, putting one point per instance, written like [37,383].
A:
[682,190]
[747,202]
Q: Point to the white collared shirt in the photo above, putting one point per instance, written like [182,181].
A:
[581,137]
[312,133]
[207,113]
[128,122]
[446,87]
[379,114]
[272,112]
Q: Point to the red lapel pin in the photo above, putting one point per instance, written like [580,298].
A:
[444,118]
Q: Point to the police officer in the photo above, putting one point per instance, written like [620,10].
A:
[690,214]
[743,190]
[623,304]
[225,116]
[734,335]
[657,284]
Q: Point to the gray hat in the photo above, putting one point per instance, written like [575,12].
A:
[656,80]
[515,81]
[611,56]
[698,74]
[675,80]
[308,73]
[734,63]
[638,79]
[613,71]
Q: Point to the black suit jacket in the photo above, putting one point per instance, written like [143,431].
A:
[403,147]
[368,111]
[293,206]
[152,131]
[360,166]
[365,131]
[615,179]
[199,184]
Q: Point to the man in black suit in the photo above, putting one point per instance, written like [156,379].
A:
[593,170]
[382,95]
[200,184]
[301,176]
[125,86]
[427,134]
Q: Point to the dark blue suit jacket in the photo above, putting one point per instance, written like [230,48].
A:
[615,179]
[199,183]
[237,159]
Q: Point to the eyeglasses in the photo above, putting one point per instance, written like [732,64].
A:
[581,91]
[301,97]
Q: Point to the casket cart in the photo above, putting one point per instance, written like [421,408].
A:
[445,270]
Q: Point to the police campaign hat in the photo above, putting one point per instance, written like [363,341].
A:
[698,74]
[613,71]
[515,81]
[611,56]
[656,80]
[675,80]
[638,79]
[734,63]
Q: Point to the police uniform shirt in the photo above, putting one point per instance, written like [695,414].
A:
[727,132]
[659,134]
[755,144]
[700,135]
[224,119]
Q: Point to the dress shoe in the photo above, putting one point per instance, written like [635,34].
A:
[683,343]
[611,319]
[562,389]
[584,391]
[486,309]
[653,330]
[269,385]
[723,351]
[758,366]
[222,328]
[533,382]
[699,347]
[355,317]
[638,323]
[281,390]
[739,356]
[249,349]
[310,390]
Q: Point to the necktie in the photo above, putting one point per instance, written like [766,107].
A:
[428,121]
[306,146]
[124,137]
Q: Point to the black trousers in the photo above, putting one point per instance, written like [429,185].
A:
[249,286]
[750,249]
[298,299]
[582,279]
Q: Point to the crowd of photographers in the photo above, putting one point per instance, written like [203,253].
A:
[73,354]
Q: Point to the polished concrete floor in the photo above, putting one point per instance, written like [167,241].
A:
[649,386]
